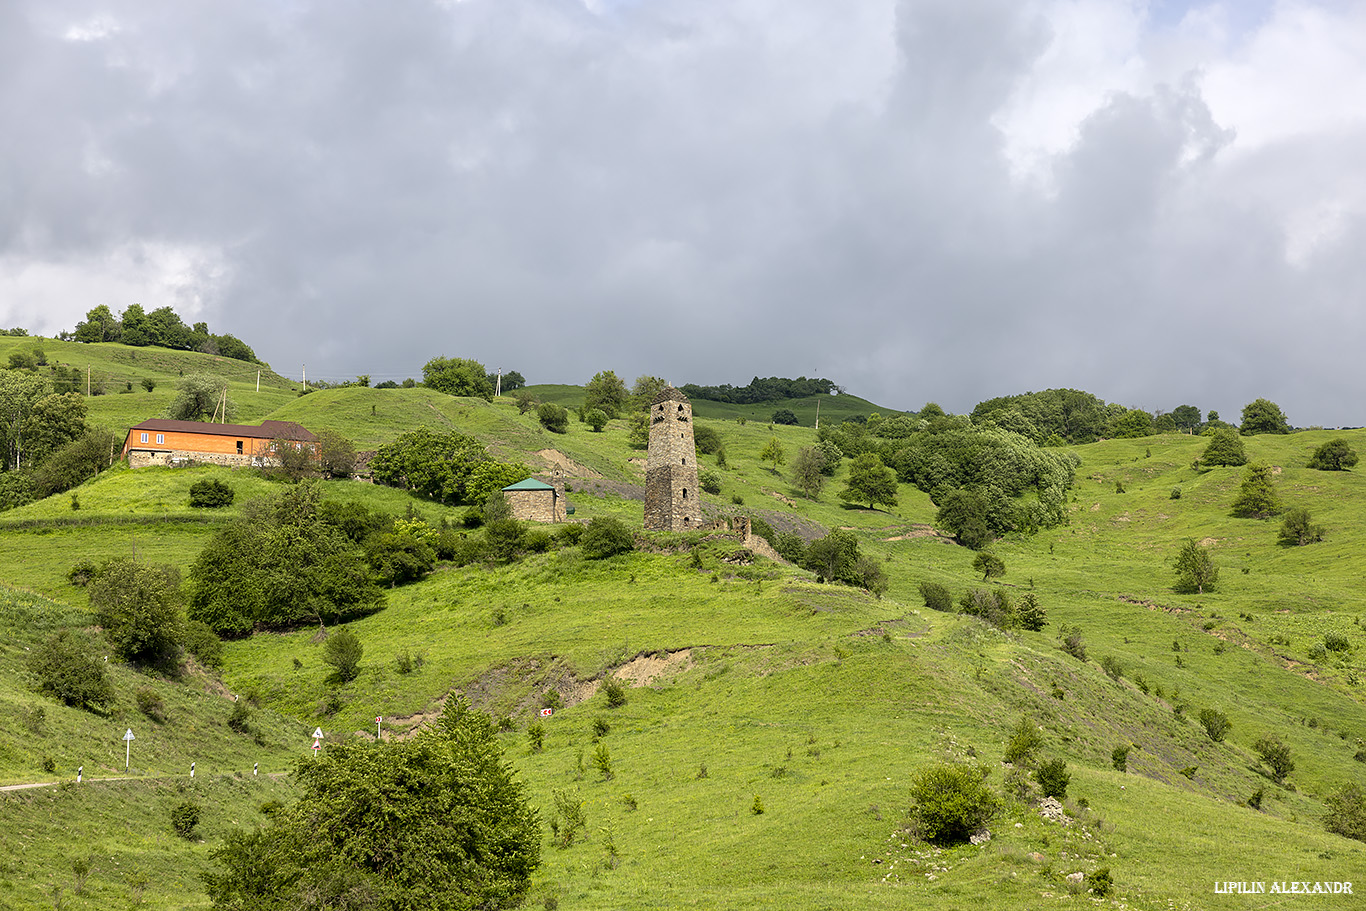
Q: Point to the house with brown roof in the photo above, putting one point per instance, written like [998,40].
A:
[164,442]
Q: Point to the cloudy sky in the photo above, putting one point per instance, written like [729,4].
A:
[1161,202]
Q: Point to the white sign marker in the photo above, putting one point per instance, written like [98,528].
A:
[128,739]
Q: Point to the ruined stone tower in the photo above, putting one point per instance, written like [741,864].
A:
[671,491]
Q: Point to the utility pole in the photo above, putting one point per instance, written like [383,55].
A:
[87,381]
[258,381]
[498,390]
[305,369]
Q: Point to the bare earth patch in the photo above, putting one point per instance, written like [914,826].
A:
[571,468]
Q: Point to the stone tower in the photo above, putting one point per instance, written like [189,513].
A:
[671,491]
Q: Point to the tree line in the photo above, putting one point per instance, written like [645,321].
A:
[768,389]
[161,328]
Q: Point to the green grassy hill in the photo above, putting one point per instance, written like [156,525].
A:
[752,685]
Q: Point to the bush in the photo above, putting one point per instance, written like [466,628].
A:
[988,564]
[1336,642]
[615,691]
[1257,497]
[210,493]
[710,481]
[1023,743]
[184,818]
[595,418]
[1335,455]
[554,418]
[1216,724]
[239,717]
[1297,528]
[1069,638]
[1053,778]
[138,605]
[201,641]
[1031,615]
[68,669]
[150,704]
[1276,756]
[1346,814]
[535,736]
[343,651]
[784,416]
[1225,448]
[1195,569]
[706,439]
[949,803]
[1098,881]
[1119,757]
[1112,667]
[605,537]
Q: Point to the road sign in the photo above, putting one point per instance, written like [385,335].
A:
[317,733]
[546,713]
[378,720]
[128,739]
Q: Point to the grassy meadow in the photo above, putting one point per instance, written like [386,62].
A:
[773,724]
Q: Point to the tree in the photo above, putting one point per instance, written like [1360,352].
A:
[1276,755]
[706,439]
[808,471]
[773,453]
[201,397]
[1195,569]
[1225,448]
[596,418]
[1134,423]
[834,558]
[1335,455]
[19,394]
[343,651]
[336,454]
[989,565]
[100,325]
[644,390]
[554,418]
[457,376]
[1053,778]
[963,515]
[139,606]
[1257,497]
[489,477]
[512,381]
[54,421]
[606,537]
[870,481]
[1215,723]
[210,493]
[437,821]
[136,331]
[784,416]
[1187,418]
[606,391]
[432,463]
[69,669]
[950,803]
[1297,528]
[1263,416]
[1031,613]
[1346,814]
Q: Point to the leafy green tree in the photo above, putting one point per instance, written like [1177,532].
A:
[1031,613]
[773,453]
[140,608]
[432,463]
[1225,448]
[1195,569]
[19,395]
[55,421]
[606,537]
[554,418]
[1215,723]
[1335,455]
[1276,755]
[596,418]
[401,554]
[808,471]
[201,397]
[166,330]
[100,325]
[457,376]
[1187,418]
[68,668]
[505,538]
[784,416]
[489,477]
[343,651]
[437,822]
[644,390]
[1053,778]
[1346,814]
[1133,423]
[336,454]
[706,439]
[870,482]
[1257,497]
[512,381]
[950,803]
[607,392]
[963,515]
[136,331]
[1023,743]
[989,565]
[1263,416]
[75,462]
[936,596]
[1297,528]
[834,557]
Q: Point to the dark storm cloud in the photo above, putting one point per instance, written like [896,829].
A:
[701,190]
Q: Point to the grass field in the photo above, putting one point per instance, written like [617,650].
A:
[753,686]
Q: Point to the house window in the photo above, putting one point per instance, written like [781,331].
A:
[144,438]
[161,439]
[239,447]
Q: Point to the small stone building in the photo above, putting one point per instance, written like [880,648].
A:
[534,500]
[672,500]
[165,442]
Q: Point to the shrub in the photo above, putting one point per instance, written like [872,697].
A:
[1336,642]
[68,669]
[1297,528]
[1119,757]
[988,564]
[1276,755]
[138,605]
[602,761]
[1225,448]
[706,439]
[615,691]
[1176,493]
[606,537]
[535,736]
[1346,814]
[82,573]
[201,641]
[710,481]
[784,416]
[1053,778]
[1069,638]
[1195,569]
[1032,616]
[595,418]
[1112,667]
[343,651]
[184,818]
[600,728]
[1257,497]
[150,704]
[1335,455]
[571,534]
[554,418]
[210,493]
[950,802]
[1215,723]
[1023,743]
[239,717]
[1098,881]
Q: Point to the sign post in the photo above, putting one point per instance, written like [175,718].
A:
[127,748]
[317,741]
[378,719]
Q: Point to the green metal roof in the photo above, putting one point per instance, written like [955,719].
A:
[529,484]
